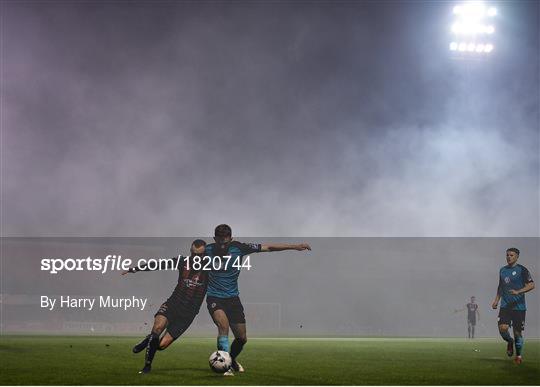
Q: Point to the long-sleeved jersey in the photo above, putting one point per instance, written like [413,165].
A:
[192,284]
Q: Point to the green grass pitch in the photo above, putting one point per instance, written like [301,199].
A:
[80,360]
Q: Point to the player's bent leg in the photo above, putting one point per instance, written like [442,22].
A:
[518,323]
[503,330]
[142,345]
[160,322]
[158,326]
[240,339]
[222,323]
[176,328]
[518,338]
[165,341]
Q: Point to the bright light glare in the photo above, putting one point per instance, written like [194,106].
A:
[471,47]
[472,29]
[474,10]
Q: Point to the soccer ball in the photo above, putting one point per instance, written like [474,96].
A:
[220,361]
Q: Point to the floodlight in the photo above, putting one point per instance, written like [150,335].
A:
[472,29]
[473,10]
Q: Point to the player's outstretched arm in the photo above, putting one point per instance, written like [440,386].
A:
[284,246]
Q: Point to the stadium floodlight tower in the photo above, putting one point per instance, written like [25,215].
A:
[473,29]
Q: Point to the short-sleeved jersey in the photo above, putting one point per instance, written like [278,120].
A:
[471,311]
[224,283]
[513,277]
[191,287]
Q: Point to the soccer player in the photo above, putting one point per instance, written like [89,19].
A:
[514,281]
[222,299]
[472,313]
[178,312]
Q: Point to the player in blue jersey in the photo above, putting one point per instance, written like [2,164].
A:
[514,281]
[222,295]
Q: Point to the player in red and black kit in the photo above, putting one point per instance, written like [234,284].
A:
[178,312]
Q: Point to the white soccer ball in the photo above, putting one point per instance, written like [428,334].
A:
[220,361]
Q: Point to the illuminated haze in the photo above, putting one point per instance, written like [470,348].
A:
[306,119]
[297,119]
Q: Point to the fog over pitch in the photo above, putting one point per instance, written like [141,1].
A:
[345,286]
[307,119]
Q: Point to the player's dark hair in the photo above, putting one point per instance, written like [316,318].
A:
[513,249]
[198,243]
[223,230]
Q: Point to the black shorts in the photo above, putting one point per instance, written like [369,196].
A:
[179,319]
[231,306]
[513,318]
[471,321]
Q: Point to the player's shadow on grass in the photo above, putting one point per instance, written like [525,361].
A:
[194,373]
[198,373]
[207,374]
[293,380]
[180,369]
